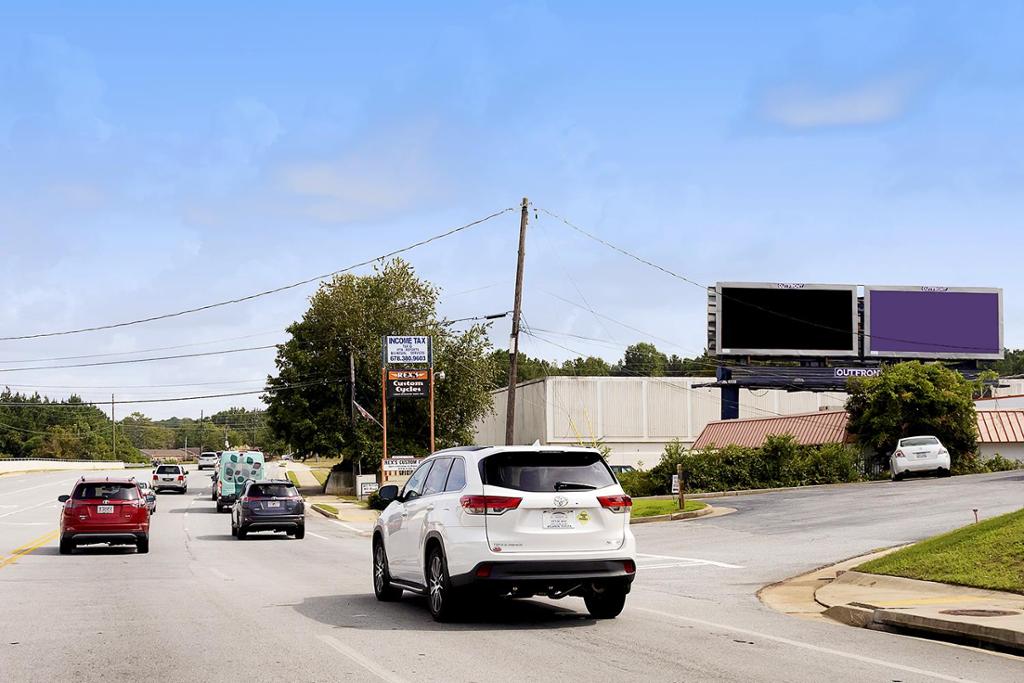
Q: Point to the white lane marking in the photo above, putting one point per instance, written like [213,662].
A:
[672,566]
[693,560]
[63,482]
[371,666]
[807,646]
[25,524]
[317,536]
[361,532]
[30,507]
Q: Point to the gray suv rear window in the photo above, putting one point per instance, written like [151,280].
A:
[546,471]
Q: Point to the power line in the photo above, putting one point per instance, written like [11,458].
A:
[128,353]
[141,360]
[765,309]
[97,404]
[267,292]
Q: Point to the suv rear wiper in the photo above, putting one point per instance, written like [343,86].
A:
[563,485]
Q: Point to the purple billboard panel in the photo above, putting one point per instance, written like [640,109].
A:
[933,322]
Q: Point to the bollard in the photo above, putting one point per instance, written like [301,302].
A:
[682,500]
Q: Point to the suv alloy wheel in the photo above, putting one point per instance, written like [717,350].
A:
[382,586]
[441,597]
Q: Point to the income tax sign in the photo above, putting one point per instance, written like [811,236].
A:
[398,350]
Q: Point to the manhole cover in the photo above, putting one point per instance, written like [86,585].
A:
[979,612]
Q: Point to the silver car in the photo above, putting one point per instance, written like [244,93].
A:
[170,477]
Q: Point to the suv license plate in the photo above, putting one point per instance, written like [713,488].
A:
[105,509]
[558,519]
[273,504]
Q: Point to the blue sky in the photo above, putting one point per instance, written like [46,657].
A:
[153,159]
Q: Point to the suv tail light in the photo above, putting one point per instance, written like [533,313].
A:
[181,477]
[898,454]
[70,505]
[155,477]
[488,505]
[618,504]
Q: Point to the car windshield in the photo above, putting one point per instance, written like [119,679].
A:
[167,469]
[546,471]
[106,491]
[273,491]
[920,441]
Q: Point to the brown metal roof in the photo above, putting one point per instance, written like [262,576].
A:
[807,428]
[1001,426]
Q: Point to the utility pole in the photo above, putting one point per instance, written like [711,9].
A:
[352,404]
[113,427]
[201,435]
[513,344]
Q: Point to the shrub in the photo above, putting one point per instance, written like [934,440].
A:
[998,463]
[780,462]
[639,483]
[375,503]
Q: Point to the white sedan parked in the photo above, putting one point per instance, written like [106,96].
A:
[919,454]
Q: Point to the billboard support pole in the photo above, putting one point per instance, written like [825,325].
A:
[730,402]
[384,420]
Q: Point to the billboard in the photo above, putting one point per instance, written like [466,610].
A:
[786,319]
[933,322]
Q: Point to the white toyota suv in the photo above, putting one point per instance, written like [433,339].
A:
[513,521]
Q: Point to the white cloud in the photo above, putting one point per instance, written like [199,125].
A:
[870,102]
[382,176]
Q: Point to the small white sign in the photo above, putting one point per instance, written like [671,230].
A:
[401,465]
[675,483]
[399,350]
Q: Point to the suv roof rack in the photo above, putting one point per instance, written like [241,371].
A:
[454,449]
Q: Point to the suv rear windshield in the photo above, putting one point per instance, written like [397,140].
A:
[546,471]
[168,469]
[107,491]
[919,441]
[272,491]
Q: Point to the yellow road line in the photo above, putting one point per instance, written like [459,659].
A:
[29,547]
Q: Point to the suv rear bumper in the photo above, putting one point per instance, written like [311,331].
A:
[88,537]
[255,522]
[541,576]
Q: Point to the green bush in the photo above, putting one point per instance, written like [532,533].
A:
[998,463]
[640,483]
[375,503]
[780,462]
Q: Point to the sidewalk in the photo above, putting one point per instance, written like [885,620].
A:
[926,608]
[352,515]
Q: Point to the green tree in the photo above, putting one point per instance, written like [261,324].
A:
[701,366]
[909,399]
[526,368]
[308,400]
[591,366]
[643,360]
[143,433]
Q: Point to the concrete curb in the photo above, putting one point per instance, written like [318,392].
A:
[675,516]
[751,492]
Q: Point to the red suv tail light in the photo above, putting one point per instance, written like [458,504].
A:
[629,566]
[181,477]
[155,477]
[898,454]
[488,505]
[616,504]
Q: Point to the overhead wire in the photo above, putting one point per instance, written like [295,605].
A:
[267,292]
[704,287]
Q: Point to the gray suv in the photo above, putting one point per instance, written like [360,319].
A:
[268,505]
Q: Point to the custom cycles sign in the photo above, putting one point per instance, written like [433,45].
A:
[408,383]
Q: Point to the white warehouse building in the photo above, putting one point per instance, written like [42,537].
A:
[637,416]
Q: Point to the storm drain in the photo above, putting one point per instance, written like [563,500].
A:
[979,612]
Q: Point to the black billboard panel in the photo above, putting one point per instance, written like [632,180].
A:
[786,319]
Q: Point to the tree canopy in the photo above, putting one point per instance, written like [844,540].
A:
[308,400]
[910,399]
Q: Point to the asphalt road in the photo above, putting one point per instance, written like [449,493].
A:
[202,606]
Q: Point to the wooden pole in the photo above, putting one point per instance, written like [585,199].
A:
[682,495]
[384,420]
[513,345]
[431,409]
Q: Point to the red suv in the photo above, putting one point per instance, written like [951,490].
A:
[106,510]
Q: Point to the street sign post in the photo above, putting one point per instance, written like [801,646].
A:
[405,382]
